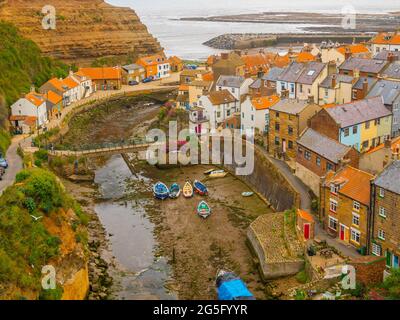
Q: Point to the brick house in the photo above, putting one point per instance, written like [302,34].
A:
[287,120]
[230,64]
[386,215]
[345,206]
[362,67]
[361,87]
[362,124]
[104,78]
[317,155]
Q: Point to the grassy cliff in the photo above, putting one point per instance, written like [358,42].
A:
[21,65]
[26,245]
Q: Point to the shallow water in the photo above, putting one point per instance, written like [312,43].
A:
[143,275]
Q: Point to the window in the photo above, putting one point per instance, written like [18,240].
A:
[218,114]
[381,234]
[356,219]
[355,235]
[333,205]
[326,93]
[367,125]
[292,88]
[356,206]
[329,166]
[301,88]
[355,130]
[333,223]
[382,212]
[307,155]
[318,161]
[377,122]
[233,90]
[290,144]
[290,130]
[300,150]
[381,192]
[276,141]
[346,132]
[334,188]
[252,117]
[277,126]
[243,115]
[376,249]
[277,114]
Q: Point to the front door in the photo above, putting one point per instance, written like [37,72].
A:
[306,231]
[344,233]
[283,145]
[395,261]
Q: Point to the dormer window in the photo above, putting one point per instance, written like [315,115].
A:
[335,188]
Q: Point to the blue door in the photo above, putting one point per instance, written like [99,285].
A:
[395,261]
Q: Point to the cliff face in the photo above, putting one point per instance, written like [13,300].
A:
[85,29]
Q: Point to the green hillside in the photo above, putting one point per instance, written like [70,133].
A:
[21,65]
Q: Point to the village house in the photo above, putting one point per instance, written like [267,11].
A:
[266,85]
[230,64]
[68,90]
[287,120]
[53,104]
[256,64]
[218,106]
[233,122]
[255,114]
[386,215]
[376,159]
[198,122]
[345,207]
[189,75]
[363,124]
[182,99]
[133,72]
[85,88]
[392,72]
[385,41]
[388,55]
[339,54]
[317,155]
[104,78]
[156,66]
[356,67]
[287,80]
[237,86]
[390,92]
[197,89]
[28,110]
[335,89]
[176,64]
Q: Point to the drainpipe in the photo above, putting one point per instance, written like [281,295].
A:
[371,217]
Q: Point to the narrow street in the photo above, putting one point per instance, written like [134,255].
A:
[14,164]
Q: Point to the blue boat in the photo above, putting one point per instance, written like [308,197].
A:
[160,191]
[231,287]
[200,188]
[174,191]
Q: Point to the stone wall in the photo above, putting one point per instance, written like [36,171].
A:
[308,177]
[369,269]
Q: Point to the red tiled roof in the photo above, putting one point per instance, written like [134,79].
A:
[36,98]
[101,73]
[387,38]
[265,102]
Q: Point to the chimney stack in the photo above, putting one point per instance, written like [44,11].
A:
[224,56]
[310,99]
[391,57]
[347,53]
[365,87]
[388,143]
[334,81]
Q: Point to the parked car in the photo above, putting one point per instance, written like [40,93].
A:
[148,79]
[3,163]
[133,83]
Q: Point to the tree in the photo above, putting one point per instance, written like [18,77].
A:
[392,284]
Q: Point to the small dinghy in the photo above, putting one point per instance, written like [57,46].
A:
[200,188]
[203,210]
[247,194]
[218,174]
[231,287]
[188,190]
[160,191]
[207,172]
[174,191]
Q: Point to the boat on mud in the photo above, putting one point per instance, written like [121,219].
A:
[207,172]
[203,210]
[187,190]
[160,191]
[174,191]
[231,287]
[200,188]
[247,194]
[218,174]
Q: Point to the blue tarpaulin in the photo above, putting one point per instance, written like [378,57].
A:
[232,290]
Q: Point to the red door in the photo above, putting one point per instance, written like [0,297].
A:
[342,233]
[306,231]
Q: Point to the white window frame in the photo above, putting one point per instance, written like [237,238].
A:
[356,206]
[353,235]
[356,217]
[332,201]
[376,249]
[381,192]
[381,234]
[382,212]
[335,220]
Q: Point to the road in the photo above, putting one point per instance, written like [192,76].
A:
[14,164]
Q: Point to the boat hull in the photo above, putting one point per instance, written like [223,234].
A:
[200,188]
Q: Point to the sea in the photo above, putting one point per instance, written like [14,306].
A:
[185,38]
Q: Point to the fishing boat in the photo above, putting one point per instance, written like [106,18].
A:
[200,188]
[231,287]
[174,191]
[207,172]
[160,191]
[247,194]
[188,190]
[218,174]
[203,210]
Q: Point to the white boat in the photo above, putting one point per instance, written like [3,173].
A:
[218,174]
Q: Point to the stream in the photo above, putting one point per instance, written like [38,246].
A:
[141,274]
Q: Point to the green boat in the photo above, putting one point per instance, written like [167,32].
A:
[203,210]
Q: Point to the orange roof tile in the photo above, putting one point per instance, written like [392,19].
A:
[183,87]
[209,76]
[386,38]
[53,97]
[102,73]
[151,60]
[265,102]
[395,145]
[281,61]
[305,57]
[36,98]
[354,49]
[305,215]
[255,62]
[70,83]
[57,83]
[355,183]
[175,59]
